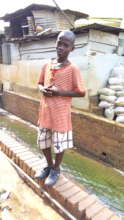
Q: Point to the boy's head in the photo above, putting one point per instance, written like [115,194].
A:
[64,44]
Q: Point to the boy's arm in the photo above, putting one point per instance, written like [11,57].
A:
[57,92]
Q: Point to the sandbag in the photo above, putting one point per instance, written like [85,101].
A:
[119,93]
[110,99]
[106,91]
[109,113]
[118,71]
[120,118]
[105,104]
[119,110]
[116,81]
[116,87]
[120,101]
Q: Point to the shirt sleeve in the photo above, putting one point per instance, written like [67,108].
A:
[78,82]
[42,73]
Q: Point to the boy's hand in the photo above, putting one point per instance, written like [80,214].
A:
[44,90]
[54,91]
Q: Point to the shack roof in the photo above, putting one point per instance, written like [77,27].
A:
[28,9]
[78,30]
[100,27]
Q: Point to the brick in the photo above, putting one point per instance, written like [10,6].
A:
[93,210]
[61,181]
[34,170]
[83,204]
[28,165]
[62,188]
[10,147]
[13,151]
[67,194]
[36,167]
[16,151]
[3,147]
[103,215]
[21,159]
[23,156]
[75,199]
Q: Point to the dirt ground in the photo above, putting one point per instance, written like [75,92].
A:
[23,203]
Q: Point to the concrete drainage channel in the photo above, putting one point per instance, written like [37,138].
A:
[69,199]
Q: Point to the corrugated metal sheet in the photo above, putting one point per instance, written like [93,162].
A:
[31,7]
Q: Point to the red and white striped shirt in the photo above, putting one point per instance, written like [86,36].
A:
[55,111]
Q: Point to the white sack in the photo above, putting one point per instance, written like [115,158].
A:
[120,118]
[110,99]
[105,104]
[106,91]
[109,113]
[120,101]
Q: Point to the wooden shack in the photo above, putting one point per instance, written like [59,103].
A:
[37,18]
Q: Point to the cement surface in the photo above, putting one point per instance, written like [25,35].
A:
[22,202]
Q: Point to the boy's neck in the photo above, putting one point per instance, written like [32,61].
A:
[63,62]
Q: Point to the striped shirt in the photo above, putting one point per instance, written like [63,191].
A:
[55,111]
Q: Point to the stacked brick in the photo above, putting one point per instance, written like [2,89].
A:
[78,202]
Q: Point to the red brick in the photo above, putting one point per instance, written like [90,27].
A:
[28,165]
[3,147]
[21,160]
[62,188]
[105,214]
[75,199]
[9,147]
[83,204]
[16,150]
[61,181]
[68,193]
[23,156]
[37,167]
[93,210]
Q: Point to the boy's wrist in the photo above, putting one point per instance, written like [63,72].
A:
[41,88]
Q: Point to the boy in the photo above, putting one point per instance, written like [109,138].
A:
[59,81]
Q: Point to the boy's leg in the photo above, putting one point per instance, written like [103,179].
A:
[61,142]
[58,160]
[44,143]
[48,155]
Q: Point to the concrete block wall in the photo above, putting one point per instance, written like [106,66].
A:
[100,137]
[22,106]
[92,133]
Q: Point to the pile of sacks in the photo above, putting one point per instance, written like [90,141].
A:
[112,96]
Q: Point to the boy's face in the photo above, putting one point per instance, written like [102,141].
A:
[64,46]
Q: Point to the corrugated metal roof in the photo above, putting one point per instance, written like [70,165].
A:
[79,30]
[100,27]
[28,9]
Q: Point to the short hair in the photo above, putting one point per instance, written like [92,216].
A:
[69,34]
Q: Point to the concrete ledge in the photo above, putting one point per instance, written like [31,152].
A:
[78,202]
